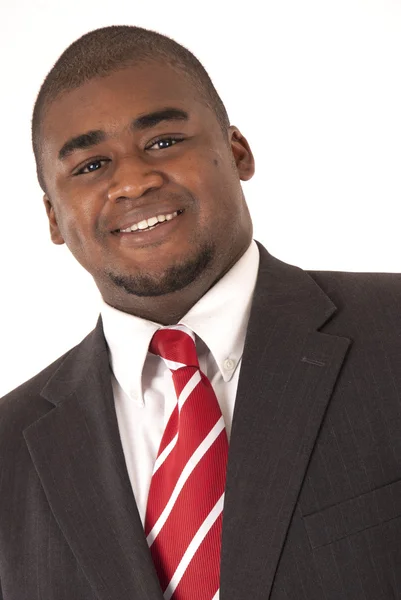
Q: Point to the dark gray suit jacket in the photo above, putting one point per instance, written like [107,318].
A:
[313,499]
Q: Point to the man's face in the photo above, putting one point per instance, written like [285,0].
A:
[108,165]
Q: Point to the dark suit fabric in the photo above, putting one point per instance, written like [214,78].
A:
[313,498]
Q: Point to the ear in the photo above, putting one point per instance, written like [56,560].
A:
[55,233]
[242,153]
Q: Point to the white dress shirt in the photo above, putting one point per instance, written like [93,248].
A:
[143,389]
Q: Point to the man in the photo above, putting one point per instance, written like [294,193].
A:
[294,376]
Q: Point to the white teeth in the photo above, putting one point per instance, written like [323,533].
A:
[150,222]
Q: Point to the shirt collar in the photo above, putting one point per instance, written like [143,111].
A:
[219,318]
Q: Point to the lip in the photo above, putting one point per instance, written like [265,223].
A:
[138,216]
[144,238]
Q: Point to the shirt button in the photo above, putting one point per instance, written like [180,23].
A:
[229,364]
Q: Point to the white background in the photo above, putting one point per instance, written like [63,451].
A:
[314,85]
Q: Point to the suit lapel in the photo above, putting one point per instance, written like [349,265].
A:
[287,376]
[78,455]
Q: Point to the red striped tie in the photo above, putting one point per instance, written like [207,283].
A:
[184,512]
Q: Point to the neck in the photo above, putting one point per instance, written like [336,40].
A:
[167,309]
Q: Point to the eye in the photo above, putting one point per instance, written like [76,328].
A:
[164,142]
[90,167]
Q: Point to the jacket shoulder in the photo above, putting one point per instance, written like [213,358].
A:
[359,287]
[23,404]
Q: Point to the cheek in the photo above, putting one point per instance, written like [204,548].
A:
[73,224]
[206,179]
[74,210]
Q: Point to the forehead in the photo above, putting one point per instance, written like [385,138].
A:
[111,102]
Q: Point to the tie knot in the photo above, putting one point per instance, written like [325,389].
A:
[176,345]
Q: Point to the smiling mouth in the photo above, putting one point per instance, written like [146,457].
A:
[148,224]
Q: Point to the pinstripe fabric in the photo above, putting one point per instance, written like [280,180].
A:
[184,511]
[344,541]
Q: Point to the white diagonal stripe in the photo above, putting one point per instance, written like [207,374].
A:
[185,473]
[217,595]
[193,547]
[162,457]
[186,392]
[189,388]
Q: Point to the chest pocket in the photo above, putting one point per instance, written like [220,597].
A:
[356,546]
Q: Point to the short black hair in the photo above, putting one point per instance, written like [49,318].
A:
[108,49]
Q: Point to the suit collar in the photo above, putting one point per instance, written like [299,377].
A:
[88,358]
[288,291]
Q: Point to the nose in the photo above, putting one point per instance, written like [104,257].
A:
[132,178]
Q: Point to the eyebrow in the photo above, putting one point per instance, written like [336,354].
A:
[146,121]
[154,118]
